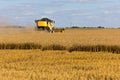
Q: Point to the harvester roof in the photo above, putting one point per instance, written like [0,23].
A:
[45,19]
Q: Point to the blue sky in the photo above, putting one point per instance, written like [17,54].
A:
[65,12]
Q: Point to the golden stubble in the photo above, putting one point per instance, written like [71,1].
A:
[67,38]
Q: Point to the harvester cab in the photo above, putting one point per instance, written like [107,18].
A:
[47,24]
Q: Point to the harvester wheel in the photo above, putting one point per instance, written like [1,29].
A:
[50,31]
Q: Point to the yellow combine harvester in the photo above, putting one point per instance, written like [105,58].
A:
[47,24]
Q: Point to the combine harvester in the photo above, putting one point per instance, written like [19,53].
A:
[46,24]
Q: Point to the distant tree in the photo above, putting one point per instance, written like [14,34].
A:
[75,27]
[100,27]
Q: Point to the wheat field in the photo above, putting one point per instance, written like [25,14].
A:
[47,64]
[58,65]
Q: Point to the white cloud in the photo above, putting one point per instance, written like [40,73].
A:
[92,16]
[76,1]
[111,10]
[49,12]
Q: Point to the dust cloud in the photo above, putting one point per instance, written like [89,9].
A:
[8,28]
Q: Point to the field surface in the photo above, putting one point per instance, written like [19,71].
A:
[36,64]
[58,65]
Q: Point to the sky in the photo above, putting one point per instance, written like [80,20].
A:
[66,13]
